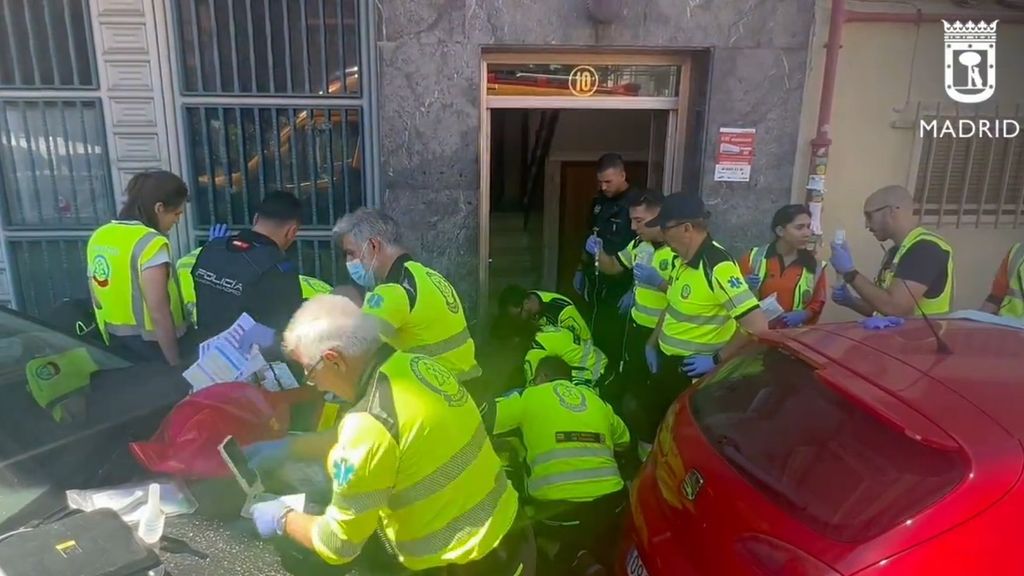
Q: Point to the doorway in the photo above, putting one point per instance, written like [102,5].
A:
[543,179]
[576,192]
[546,118]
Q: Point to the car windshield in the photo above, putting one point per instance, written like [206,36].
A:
[825,460]
[42,370]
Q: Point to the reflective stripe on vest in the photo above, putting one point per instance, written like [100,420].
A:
[565,454]
[109,300]
[472,520]
[804,289]
[648,302]
[536,484]
[930,306]
[1013,302]
[436,325]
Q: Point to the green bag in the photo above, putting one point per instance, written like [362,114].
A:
[58,382]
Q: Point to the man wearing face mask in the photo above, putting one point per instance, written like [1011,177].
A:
[417,309]
[250,271]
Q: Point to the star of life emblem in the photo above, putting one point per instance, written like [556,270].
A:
[970,62]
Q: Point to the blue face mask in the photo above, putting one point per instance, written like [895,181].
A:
[358,271]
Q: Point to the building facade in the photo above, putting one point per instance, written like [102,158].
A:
[237,96]
[475,122]
[890,77]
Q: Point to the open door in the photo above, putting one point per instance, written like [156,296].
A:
[579,185]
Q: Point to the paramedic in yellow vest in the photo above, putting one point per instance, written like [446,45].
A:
[411,456]
[1006,298]
[540,308]
[917,269]
[787,269]
[709,314]
[587,361]
[131,277]
[571,438]
[652,263]
[417,308]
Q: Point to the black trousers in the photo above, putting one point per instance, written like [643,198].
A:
[662,390]
[607,325]
[633,374]
[579,526]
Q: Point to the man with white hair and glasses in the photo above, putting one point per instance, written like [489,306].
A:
[417,309]
[411,456]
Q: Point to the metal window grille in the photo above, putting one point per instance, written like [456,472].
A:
[49,270]
[54,165]
[298,47]
[239,154]
[46,44]
[256,77]
[970,182]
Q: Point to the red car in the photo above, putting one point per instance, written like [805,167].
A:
[834,450]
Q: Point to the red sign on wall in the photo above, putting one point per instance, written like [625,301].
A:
[735,154]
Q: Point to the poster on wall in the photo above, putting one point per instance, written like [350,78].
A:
[735,154]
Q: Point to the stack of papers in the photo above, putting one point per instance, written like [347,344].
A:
[221,359]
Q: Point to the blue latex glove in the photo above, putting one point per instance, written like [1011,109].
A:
[258,335]
[579,283]
[841,258]
[651,353]
[269,518]
[843,296]
[219,230]
[268,455]
[881,322]
[626,303]
[646,275]
[593,245]
[754,281]
[698,365]
[796,318]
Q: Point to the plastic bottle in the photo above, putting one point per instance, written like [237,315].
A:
[151,526]
[645,254]
[840,238]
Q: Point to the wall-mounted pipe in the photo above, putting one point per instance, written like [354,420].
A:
[840,16]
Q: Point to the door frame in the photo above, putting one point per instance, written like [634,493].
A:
[678,108]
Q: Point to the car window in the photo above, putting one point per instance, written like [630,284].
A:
[825,460]
[22,340]
[33,355]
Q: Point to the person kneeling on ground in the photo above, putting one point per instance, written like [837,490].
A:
[443,506]
[571,438]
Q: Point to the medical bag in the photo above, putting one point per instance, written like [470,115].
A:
[96,543]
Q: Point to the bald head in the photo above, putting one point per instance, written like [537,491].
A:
[889,213]
[894,196]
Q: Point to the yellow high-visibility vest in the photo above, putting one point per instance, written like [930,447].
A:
[115,254]
[942,303]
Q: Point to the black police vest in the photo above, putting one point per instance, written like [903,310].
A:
[222,275]
[611,218]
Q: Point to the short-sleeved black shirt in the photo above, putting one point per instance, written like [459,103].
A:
[925,262]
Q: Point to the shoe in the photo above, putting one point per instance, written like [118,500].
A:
[586,565]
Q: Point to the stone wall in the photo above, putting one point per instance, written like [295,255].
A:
[429,92]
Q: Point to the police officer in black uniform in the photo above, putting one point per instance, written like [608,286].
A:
[250,271]
[610,216]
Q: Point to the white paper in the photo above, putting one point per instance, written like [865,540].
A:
[771,308]
[732,172]
[815,208]
[221,360]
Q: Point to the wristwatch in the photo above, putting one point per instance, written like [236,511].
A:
[850,276]
[280,524]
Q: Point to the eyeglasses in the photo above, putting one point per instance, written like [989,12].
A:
[308,371]
[869,213]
